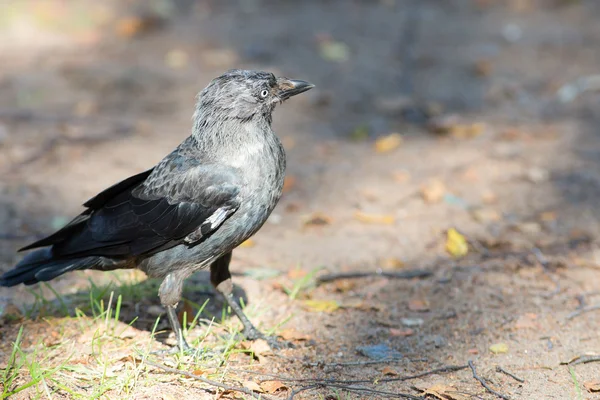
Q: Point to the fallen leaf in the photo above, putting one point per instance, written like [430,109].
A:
[288,183]
[332,50]
[382,219]
[292,334]
[433,192]
[401,176]
[499,348]
[219,58]
[360,133]
[248,243]
[527,321]
[592,386]
[317,219]
[489,197]
[345,285]
[135,25]
[401,332]
[482,68]
[388,143]
[548,216]
[418,305]
[486,215]
[255,387]
[273,386]
[321,305]
[176,59]
[473,351]
[198,372]
[389,371]
[259,347]
[439,391]
[393,263]
[456,244]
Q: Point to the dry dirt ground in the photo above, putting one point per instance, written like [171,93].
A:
[499,142]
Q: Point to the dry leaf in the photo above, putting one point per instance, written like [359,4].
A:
[289,183]
[198,372]
[434,191]
[134,25]
[176,59]
[317,219]
[440,391]
[259,347]
[255,387]
[345,285]
[393,263]
[401,332]
[473,351]
[499,348]
[292,334]
[248,243]
[528,321]
[401,176]
[548,216]
[418,305]
[389,371]
[383,219]
[388,143]
[592,386]
[320,305]
[296,273]
[456,244]
[273,386]
[486,215]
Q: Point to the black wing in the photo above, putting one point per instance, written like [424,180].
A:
[177,202]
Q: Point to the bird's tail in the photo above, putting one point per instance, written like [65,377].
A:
[40,266]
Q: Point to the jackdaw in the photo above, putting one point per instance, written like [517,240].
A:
[214,191]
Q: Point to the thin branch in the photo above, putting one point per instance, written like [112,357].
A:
[584,360]
[484,383]
[583,310]
[516,378]
[209,381]
[410,274]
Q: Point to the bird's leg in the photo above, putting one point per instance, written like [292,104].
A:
[182,344]
[220,277]
[170,294]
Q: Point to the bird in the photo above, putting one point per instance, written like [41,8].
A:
[188,212]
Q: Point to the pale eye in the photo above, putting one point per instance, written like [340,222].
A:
[264,93]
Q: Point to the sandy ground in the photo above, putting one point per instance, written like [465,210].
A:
[488,148]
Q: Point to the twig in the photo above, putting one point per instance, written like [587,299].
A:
[516,378]
[209,381]
[583,310]
[410,274]
[484,384]
[584,360]
[448,368]
[352,363]
[302,389]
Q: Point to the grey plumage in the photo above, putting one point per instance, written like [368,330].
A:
[215,190]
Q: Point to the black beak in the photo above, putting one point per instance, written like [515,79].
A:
[292,87]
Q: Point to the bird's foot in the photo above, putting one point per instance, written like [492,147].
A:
[272,341]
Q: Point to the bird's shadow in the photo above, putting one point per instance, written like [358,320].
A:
[135,303]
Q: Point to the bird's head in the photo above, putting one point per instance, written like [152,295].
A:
[244,95]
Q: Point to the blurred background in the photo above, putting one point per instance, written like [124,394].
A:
[428,116]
